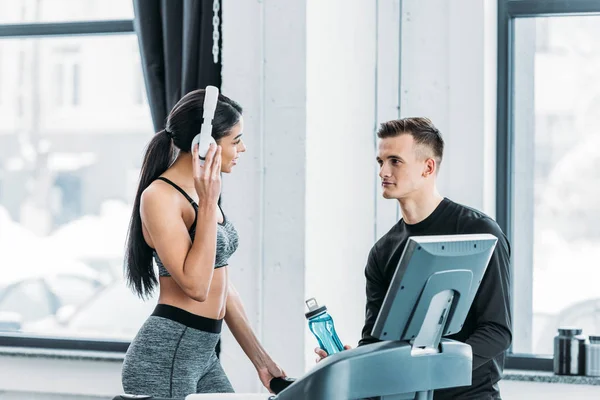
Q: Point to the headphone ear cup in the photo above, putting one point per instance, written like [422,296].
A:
[204,144]
[195,142]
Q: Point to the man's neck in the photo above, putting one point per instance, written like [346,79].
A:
[419,206]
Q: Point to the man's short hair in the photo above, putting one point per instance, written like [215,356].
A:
[421,129]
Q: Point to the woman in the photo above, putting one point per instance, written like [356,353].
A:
[177,220]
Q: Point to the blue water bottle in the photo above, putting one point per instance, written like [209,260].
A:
[321,325]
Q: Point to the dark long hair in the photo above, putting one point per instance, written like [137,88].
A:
[183,123]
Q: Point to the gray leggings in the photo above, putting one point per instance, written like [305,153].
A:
[173,355]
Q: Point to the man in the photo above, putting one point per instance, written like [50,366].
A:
[409,157]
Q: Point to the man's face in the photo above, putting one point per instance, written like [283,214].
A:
[404,167]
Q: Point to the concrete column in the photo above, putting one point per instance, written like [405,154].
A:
[264,68]
[341,167]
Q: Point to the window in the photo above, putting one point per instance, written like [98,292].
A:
[549,179]
[28,299]
[27,11]
[68,79]
[72,290]
[71,133]
[137,81]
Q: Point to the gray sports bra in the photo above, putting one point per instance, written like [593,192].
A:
[227,237]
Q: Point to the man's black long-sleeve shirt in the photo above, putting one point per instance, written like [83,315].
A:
[487,327]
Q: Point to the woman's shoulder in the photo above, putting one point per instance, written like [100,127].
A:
[158,195]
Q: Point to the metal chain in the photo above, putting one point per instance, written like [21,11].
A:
[215,49]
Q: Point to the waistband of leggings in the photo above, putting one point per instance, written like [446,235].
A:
[188,319]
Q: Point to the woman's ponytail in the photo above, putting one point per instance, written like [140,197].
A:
[139,271]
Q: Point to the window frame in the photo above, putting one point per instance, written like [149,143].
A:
[508,12]
[32,30]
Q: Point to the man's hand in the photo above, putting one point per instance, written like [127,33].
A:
[322,353]
[269,371]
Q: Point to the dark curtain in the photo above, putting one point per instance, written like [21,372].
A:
[176,45]
[176,42]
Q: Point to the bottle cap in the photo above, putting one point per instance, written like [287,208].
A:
[594,339]
[569,331]
[313,308]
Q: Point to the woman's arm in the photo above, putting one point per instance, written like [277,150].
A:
[239,325]
[191,264]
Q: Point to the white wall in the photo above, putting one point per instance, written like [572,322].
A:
[448,74]
[516,390]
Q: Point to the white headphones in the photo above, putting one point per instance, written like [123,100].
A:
[204,138]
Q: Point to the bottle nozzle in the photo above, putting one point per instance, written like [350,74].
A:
[314,308]
[312,304]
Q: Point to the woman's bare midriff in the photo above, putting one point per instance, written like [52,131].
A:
[214,305]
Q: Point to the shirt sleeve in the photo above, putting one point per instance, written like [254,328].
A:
[491,306]
[375,290]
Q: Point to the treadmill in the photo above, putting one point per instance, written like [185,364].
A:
[429,297]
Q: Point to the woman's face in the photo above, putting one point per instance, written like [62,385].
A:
[231,147]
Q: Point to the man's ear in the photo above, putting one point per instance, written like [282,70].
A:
[430,167]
